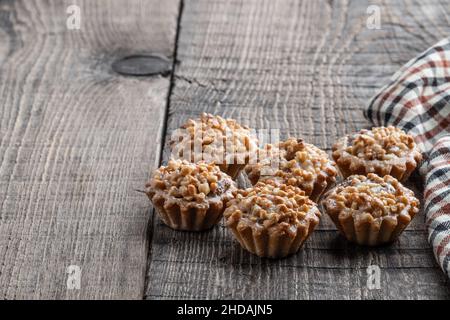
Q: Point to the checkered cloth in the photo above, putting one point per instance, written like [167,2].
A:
[418,100]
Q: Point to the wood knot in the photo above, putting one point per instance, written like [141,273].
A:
[143,65]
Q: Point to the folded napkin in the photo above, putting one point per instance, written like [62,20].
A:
[418,100]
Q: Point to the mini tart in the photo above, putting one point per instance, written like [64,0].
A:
[382,150]
[271,221]
[215,139]
[370,210]
[298,164]
[190,196]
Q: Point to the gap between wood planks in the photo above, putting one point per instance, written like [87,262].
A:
[151,225]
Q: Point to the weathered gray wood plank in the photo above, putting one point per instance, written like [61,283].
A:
[307,68]
[76,139]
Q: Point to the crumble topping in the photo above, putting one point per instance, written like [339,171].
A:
[268,204]
[302,161]
[380,143]
[377,196]
[182,179]
[214,138]
[299,164]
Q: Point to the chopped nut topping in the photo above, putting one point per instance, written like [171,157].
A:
[380,143]
[268,204]
[298,163]
[382,150]
[190,181]
[213,138]
[372,194]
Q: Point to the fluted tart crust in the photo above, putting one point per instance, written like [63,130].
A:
[381,150]
[271,220]
[371,210]
[214,139]
[297,163]
[190,196]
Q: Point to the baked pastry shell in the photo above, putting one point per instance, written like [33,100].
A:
[180,214]
[273,242]
[368,231]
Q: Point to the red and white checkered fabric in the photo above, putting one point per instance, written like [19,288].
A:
[418,100]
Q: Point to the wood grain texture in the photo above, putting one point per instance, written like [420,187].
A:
[76,139]
[306,68]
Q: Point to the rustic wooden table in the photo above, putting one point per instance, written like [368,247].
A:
[77,139]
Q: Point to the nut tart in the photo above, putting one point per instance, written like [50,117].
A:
[271,220]
[190,196]
[215,139]
[371,210]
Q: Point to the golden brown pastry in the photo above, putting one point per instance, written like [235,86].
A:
[190,196]
[298,164]
[215,139]
[382,150]
[271,221]
[370,210]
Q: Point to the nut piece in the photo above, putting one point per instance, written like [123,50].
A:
[204,188]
